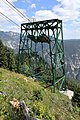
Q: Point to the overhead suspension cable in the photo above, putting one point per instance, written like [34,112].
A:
[9,19]
[20,13]
[13,9]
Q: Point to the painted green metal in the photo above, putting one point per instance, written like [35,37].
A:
[47,33]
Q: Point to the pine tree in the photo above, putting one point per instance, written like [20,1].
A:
[3,57]
[10,59]
[7,57]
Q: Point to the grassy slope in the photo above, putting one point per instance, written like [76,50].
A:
[14,85]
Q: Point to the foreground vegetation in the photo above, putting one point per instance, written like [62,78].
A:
[42,103]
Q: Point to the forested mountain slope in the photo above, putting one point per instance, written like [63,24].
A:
[72,52]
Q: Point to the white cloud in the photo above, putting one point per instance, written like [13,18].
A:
[69,12]
[45,14]
[33,5]
[68,9]
[71,4]
[10,13]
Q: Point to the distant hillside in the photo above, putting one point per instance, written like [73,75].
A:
[10,39]
[72,52]
[42,103]
[72,58]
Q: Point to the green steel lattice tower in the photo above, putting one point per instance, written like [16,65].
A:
[47,32]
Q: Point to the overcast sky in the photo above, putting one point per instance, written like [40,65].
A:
[67,10]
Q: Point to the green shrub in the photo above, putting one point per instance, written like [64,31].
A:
[40,111]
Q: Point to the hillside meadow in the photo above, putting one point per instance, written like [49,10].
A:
[43,104]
